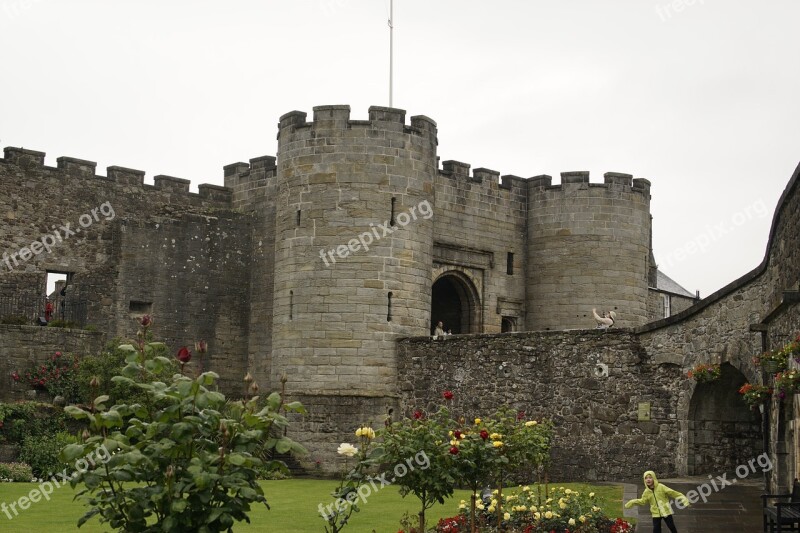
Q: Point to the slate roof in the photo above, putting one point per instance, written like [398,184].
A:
[667,284]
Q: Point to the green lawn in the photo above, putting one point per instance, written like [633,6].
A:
[294,505]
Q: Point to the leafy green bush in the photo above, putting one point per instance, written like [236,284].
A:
[41,453]
[18,472]
[56,376]
[178,463]
[58,323]
[16,320]
[21,420]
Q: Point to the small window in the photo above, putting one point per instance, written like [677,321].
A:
[667,310]
[391,215]
[510,263]
[298,217]
[508,324]
[389,308]
[139,308]
[291,304]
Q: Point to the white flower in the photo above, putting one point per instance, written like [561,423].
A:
[347,449]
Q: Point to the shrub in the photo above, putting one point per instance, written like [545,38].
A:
[18,472]
[15,320]
[56,376]
[41,453]
[21,420]
[178,463]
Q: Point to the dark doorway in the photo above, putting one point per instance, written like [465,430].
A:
[723,431]
[453,302]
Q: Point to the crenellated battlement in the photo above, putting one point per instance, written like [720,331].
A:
[71,167]
[460,172]
[570,181]
[337,117]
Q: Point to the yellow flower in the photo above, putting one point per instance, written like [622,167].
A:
[495,436]
[582,519]
[477,421]
[491,509]
[534,508]
[462,505]
[450,433]
[571,521]
[479,505]
[595,508]
[507,516]
[548,500]
[568,491]
[494,502]
[497,444]
[548,515]
[591,494]
[526,488]
[537,516]
[454,442]
[366,432]
[531,423]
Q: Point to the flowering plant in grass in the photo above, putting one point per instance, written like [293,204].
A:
[563,510]
[184,459]
[755,395]
[787,382]
[704,373]
[429,437]
[346,495]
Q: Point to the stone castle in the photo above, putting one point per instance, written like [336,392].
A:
[330,263]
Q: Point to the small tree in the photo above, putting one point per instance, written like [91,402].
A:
[176,462]
[418,446]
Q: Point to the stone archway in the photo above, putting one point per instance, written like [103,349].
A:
[723,431]
[456,303]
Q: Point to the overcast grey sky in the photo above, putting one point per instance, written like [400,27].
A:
[700,97]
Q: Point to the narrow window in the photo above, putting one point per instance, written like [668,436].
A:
[389,309]
[510,263]
[667,310]
[298,217]
[291,304]
[391,217]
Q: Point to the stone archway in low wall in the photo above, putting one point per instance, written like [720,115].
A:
[722,430]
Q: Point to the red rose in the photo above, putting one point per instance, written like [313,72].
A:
[58,354]
[520,415]
[484,434]
[457,434]
[15,376]
[417,414]
[184,355]
[454,450]
[145,321]
[448,395]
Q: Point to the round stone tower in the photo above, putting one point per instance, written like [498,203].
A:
[354,238]
[588,247]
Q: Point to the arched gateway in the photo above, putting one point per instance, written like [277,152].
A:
[455,302]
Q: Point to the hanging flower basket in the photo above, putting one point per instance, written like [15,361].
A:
[772,361]
[755,395]
[787,383]
[704,373]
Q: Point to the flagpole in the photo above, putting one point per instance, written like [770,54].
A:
[391,48]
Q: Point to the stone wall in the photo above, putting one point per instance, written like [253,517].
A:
[21,347]
[136,248]
[757,312]
[589,383]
